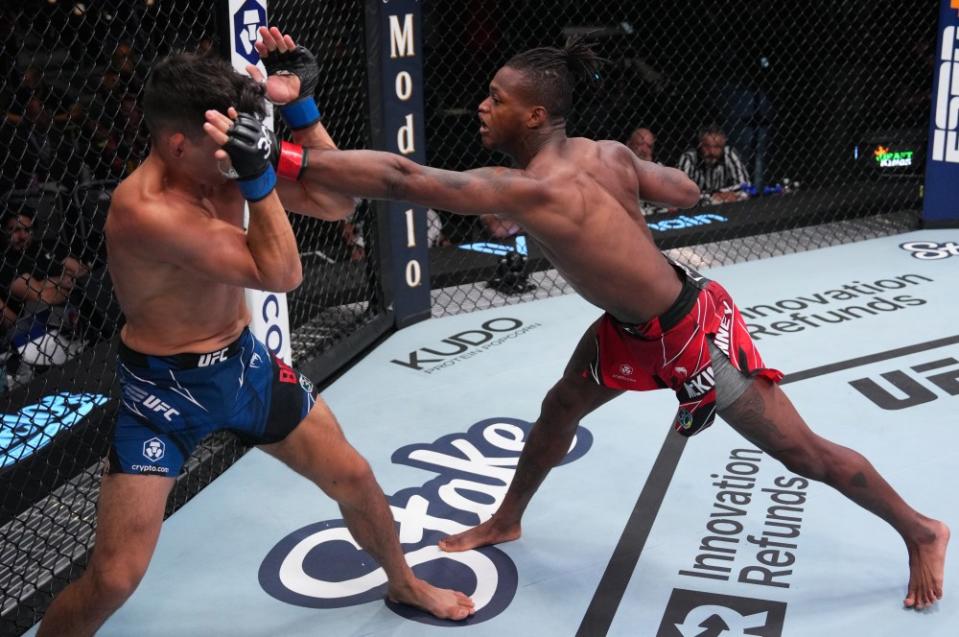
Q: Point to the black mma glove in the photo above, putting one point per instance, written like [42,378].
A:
[301,112]
[253,152]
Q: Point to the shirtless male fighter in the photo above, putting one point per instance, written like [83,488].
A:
[663,324]
[180,260]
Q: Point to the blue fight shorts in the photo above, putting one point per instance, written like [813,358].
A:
[170,403]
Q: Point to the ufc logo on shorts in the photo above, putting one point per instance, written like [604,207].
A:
[150,401]
[153,403]
[945,137]
[213,357]
[701,383]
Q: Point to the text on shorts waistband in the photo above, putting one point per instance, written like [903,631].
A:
[186,360]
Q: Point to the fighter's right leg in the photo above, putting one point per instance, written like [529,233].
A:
[569,400]
[129,516]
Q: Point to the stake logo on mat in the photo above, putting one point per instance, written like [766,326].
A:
[698,614]
[930,250]
[322,566]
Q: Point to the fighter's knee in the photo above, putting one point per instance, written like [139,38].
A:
[565,397]
[115,583]
[353,478]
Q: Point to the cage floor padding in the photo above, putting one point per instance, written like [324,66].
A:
[637,533]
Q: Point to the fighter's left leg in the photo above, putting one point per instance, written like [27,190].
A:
[318,450]
[766,417]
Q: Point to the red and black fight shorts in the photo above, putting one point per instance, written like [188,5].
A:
[672,350]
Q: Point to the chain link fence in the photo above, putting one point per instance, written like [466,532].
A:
[73,128]
[341,285]
[825,105]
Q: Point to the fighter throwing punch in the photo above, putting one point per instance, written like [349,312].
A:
[664,326]
[180,260]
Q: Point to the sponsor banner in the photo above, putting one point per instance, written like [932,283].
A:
[837,303]
[33,427]
[59,420]
[322,566]
[463,345]
[942,165]
[931,250]
[270,320]
[399,25]
[902,386]
[699,614]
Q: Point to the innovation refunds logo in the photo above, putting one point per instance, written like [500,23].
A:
[322,566]
[698,614]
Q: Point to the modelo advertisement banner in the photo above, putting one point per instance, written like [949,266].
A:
[270,318]
[399,26]
[941,205]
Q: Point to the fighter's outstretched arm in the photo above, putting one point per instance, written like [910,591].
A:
[380,175]
[664,186]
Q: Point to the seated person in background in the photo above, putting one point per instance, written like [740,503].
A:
[27,272]
[36,286]
[642,142]
[499,228]
[715,167]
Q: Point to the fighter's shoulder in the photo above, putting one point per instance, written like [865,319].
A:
[137,210]
[612,152]
[614,148]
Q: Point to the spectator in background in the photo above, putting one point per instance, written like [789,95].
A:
[36,286]
[112,128]
[642,142]
[204,46]
[28,273]
[715,167]
[29,149]
[123,61]
[499,228]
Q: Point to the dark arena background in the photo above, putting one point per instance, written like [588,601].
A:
[834,109]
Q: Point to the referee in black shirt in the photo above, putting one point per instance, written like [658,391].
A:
[715,167]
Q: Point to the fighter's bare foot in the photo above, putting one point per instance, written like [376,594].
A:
[489,532]
[927,559]
[441,602]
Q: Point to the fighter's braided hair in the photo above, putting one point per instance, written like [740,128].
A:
[554,72]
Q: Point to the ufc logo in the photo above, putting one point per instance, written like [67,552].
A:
[213,357]
[910,391]
[153,403]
